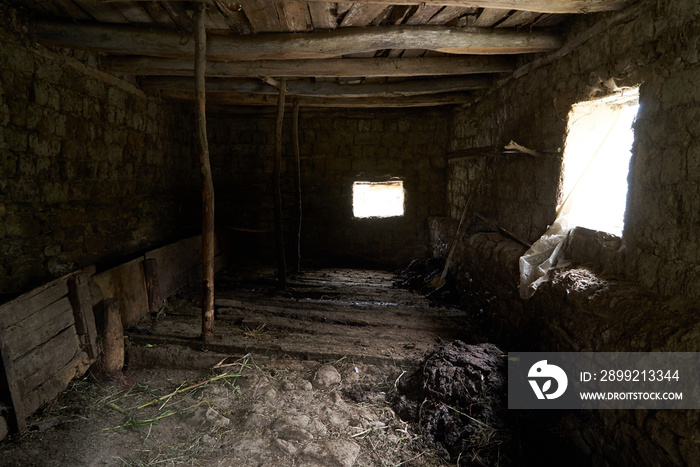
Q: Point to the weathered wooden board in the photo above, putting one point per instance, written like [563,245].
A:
[362,15]
[519,19]
[81,302]
[43,361]
[489,17]
[38,328]
[322,16]
[423,14]
[33,301]
[174,263]
[297,17]
[127,284]
[56,383]
[20,413]
[179,264]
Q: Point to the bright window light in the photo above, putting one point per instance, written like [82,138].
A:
[596,162]
[377,199]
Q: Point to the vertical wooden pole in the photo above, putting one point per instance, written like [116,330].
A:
[200,62]
[277,195]
[297,180]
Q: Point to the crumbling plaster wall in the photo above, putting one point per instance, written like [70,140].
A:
[91,169]
[640,297]
[336,149]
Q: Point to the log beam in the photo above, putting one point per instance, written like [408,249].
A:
[327,89]
[541,6]
[236,99]
[127,40]
[329,68]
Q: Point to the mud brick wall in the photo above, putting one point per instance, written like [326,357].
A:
[90,168]
[657,48]
[642,297]
[336,148]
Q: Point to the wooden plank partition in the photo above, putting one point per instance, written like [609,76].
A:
[41,346]
[48,336]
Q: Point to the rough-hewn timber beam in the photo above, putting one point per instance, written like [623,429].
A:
[333,67]
[235,99]
[127,40]
[326,89]
[541,6]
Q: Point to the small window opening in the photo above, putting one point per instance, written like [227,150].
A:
[378,199]
[596,162]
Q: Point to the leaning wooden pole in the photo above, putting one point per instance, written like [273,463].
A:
[277,195]
[207,183]
[297,180]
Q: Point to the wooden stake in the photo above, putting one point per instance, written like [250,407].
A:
[277,195]
[297,179]
[207,183]
[113,340]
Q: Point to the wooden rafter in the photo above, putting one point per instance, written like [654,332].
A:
[326,44]
[540,6]
[238,99]
[375,67]
[327,89]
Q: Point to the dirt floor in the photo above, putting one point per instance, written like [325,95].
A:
[342,369]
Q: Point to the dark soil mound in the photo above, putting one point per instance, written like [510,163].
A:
[457,401]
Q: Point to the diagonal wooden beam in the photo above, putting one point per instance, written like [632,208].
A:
[237,99]
[370,68]
[327,44]
[541,6]
[327,89]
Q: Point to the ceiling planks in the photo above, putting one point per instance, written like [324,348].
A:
[362,14]
[323,16]
[314,43]
[519,19]
[423,14]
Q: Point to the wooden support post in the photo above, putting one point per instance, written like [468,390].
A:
[297,180]
[81,302]
[150,271]
[207,182]
[113,343]
[277,195]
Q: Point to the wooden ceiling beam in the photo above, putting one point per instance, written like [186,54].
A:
[237,99]
[328,68]
[326,89]
[124,40]
[539,6]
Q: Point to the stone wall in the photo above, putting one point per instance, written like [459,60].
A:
[336,148]
[91,169]
[655,46]
[640,297]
